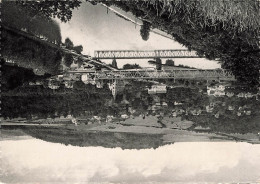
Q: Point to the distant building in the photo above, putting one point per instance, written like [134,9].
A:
[241,95]
[124,116]
[157,89]
[239,113]
[217,115]
[37,83]
[69,84]
[116,87]
[230,94]
[88,79]
[52,84]
[99,84]
[248,112]
[231,108]
[248,95]
[216,90]
[209,108]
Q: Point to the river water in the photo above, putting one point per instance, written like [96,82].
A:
[30,160]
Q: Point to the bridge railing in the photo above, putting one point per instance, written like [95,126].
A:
[176,74]
[139,54]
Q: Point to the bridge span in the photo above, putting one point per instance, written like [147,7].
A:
[168,74]
[144,54]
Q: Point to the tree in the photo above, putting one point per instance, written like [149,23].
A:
[114,63]
[169,62]
[158,63]
[129,66]
[145,30]
[228,39]
[17,16]
[78,49]
[69,44]
[68,60]
[51,9]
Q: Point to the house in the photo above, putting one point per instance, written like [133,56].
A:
[241,95]
[216,90]
[229,94]
[52,84]
[248,95]
[99,84]
[248,112]
[109,118]
[239,113]
[155,89]
[174,114]
[88,79]
[116,87]
[217,115]
[177,103]
[231,108]
[164,104]
[195,112]
[124,116]
[68,84]
[209,108]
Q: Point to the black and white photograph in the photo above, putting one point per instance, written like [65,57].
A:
[130,92]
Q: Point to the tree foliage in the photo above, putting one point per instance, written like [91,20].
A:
[78,49]
[68,60]
[145,30]
[16,16]
[169,62]
[129,66]
[69,44]
[30,54]
[114,63]
[158,63]
[51,9]
[226,37]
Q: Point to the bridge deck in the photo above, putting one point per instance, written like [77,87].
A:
[144,54]
[169,74]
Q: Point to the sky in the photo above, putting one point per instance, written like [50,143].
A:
[96,29]
[37,161]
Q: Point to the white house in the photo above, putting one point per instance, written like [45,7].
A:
[157,89]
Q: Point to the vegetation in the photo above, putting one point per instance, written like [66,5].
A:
[68,43]
[114,64]
[129,66]
[14,76]
[227,31]
[169,62]
[145,30]
[30,54]
[60,9]
[14,15]
[68,60]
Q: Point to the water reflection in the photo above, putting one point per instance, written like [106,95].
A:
[181,162]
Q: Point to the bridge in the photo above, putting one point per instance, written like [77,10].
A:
[151,74]
[144,54]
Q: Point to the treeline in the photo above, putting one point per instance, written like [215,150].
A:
[15,15]
[237,49]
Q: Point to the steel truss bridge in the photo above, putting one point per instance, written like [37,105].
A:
[171,74]
[144,54]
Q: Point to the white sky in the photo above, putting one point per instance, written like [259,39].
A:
[37,161]
[94,29]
